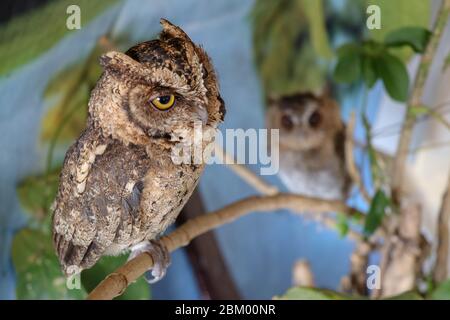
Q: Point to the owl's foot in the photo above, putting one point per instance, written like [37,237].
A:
[160,256]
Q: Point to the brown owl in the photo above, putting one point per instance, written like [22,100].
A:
[119,187]
[312,137]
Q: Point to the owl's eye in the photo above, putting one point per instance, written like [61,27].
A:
[164,102]
[286,122]
[315,119]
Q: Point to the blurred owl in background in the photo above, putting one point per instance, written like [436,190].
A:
[312,141]
[119,187]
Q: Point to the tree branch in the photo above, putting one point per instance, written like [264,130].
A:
[416,100]
[116,283]
[242,171]
[349,159]
[441,266]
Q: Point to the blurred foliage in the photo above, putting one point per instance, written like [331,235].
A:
[306,293]
[441,292]
[398,14]
[293,41]
[37,192]
[408,295]
[342,224]
[26,37]
[38,273]
[371,60]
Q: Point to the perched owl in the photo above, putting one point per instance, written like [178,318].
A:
[119,187]
[312,138]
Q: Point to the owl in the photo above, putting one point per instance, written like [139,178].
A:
[311,148]
[119,187]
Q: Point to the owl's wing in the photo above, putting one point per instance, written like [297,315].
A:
[83,222]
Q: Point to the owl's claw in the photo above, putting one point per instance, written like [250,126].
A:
[160,255]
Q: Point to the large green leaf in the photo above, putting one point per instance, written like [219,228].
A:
[394,75]
[376,212]
[26,37]
[415,37]
[306,293]
[106,265]
[38,272]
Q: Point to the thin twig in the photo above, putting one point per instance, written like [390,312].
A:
[416,100]
[349,158]
[441,266]
[116,283]
[242,171]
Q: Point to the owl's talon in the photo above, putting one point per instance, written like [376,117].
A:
[160,255]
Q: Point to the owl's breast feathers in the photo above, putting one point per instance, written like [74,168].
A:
[113,195]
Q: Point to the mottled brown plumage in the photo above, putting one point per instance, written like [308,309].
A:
[312,137]
[119,185]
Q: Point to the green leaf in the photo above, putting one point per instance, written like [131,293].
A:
[342,224]
[29,35]
[408,295]
[369,71]
[415,37]
[305,293]
[376,212]
[398,14]
[36,193]
[348,67]
[394,75]
[442,292]
[92,277]
[38,272]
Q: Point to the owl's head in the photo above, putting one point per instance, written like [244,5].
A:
[156,90]
[305,121]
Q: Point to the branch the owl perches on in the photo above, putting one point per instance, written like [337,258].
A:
[116,283]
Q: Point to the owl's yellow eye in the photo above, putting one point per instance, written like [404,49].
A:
[164,102]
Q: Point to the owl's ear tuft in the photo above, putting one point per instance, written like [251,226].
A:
[172,31]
